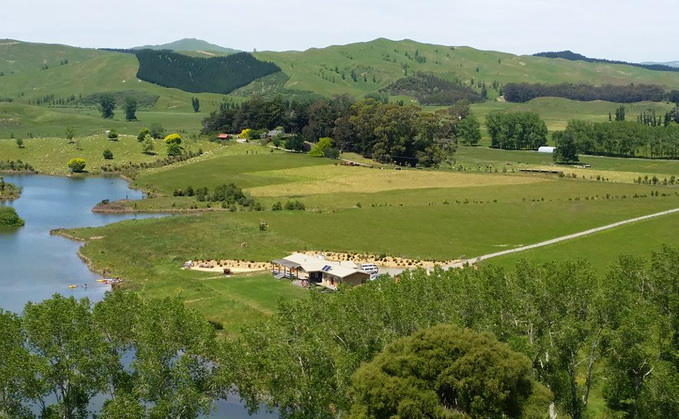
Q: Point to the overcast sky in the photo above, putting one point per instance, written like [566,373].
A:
[614,29]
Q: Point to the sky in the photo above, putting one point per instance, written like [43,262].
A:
[613,29]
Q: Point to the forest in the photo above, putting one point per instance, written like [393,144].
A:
[386,132]
[582,335]
[431,90]
[524,92]
[192,74]
[572,56]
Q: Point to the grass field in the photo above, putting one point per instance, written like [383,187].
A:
[51,155]
[602,249]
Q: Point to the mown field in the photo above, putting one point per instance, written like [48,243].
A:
[413,213]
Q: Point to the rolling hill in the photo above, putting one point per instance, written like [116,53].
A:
[191,45]
[31,72]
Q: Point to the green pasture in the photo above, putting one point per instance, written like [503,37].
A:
[51,155]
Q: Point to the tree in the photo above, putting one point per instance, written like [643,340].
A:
[130,107]
[20,142]
[295,143]
[73,355]
[70,133]
[76,165]
[319,149]
[620,113]
[196,104]
[447,372]
[108,155]
[468,130]
[147,146]
[106,105]
[17,368]
[142,134]
[566,147]
[173,142]
[156,130]
[112,134]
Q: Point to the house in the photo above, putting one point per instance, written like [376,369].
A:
[546,149]
[317,269]
[273,133]
[223,136]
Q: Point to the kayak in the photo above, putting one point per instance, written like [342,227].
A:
[72,286]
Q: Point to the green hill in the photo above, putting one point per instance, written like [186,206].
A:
[383,61]
[191,45]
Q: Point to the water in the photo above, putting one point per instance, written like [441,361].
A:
[34,265]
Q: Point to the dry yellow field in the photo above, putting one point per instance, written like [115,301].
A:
[334,179]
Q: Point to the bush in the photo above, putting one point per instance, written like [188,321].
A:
[319,149]
[77,165]
[142,134]
[108,154]
[156,130]
[112,134]
[294,206]
[173,139]
[277,206]
[174,150]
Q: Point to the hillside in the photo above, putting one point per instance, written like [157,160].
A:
[380,62]
[190,45]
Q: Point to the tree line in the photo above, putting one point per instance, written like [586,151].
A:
[572,56]
[620,138]
[574,328]
[524,92]
[194,74]
[516,130]
[386,132]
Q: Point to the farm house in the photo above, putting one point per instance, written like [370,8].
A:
[317,269]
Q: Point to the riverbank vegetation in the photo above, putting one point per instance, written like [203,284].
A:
[10,218]
[8,191]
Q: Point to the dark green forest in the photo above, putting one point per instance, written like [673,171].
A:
[524,92]
[192,74]
[431,90]
[572,56]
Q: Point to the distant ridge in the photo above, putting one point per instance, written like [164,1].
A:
[190,44]
[572,56]
[669,63]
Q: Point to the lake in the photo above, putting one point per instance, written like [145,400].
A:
[34,264]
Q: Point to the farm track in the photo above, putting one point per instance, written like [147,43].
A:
[561,239]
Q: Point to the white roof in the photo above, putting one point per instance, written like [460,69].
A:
[341,271]
[316,264]
[546,149]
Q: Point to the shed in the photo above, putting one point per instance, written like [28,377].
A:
[223,136]
[546,149]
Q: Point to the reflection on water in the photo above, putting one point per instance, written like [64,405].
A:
[34,264]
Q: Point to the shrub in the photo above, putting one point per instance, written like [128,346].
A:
[277,206]
[319,149]
[142,134]
[76,165]
[173,139]
[108,154]
[156,130]
[112,134]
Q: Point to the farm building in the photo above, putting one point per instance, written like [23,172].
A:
[546,149]
[223,136]
[317,269]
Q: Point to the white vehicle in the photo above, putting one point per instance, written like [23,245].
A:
[369,268]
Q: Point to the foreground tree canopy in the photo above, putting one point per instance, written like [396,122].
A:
[448,372]
[576,331]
